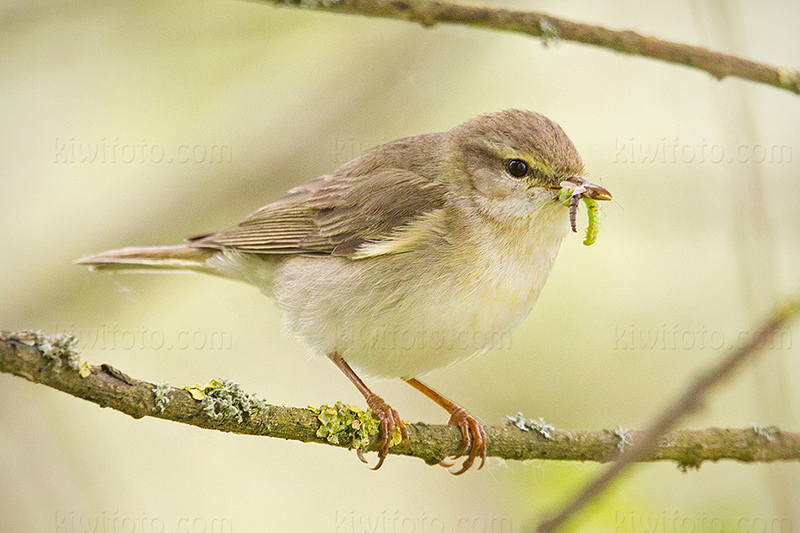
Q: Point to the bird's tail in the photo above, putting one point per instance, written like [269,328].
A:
[178,258]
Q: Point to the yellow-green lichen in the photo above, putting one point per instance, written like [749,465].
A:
[83,367]
[346,425]
[221,398]
[198,392]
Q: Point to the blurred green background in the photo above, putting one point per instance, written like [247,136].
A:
[213,109]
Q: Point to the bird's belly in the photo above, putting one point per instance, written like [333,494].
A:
[404,325]
[415,338]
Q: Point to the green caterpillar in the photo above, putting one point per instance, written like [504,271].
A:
[567,197]
[593,210]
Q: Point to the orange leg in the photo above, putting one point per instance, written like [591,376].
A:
[473,436]
[387,416]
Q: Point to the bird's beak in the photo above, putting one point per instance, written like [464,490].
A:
[589,189]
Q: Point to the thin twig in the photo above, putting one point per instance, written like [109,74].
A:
[551,29]
[51,361]
[688,402]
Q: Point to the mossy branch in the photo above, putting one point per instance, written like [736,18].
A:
[551,29]
[223,406]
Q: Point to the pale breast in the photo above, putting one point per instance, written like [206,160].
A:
[405,314]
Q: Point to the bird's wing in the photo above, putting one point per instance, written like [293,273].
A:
[334,215]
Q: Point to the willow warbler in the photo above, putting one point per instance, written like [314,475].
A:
[418,253]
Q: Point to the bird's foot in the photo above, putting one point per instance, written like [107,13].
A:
[473,438]
[390,421]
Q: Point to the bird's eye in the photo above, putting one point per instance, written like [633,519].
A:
[517,168]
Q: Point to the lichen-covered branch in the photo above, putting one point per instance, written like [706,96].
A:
[221,405]
[552,29]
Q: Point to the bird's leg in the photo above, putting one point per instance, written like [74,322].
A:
[473,436]
[388,417]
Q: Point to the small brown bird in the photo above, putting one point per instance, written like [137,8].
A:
[419,253]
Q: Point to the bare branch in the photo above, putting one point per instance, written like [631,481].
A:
[221,405]
[550,29]
[688,402]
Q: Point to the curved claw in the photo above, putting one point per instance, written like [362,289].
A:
[361,457]
[473,438]
[389,420]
